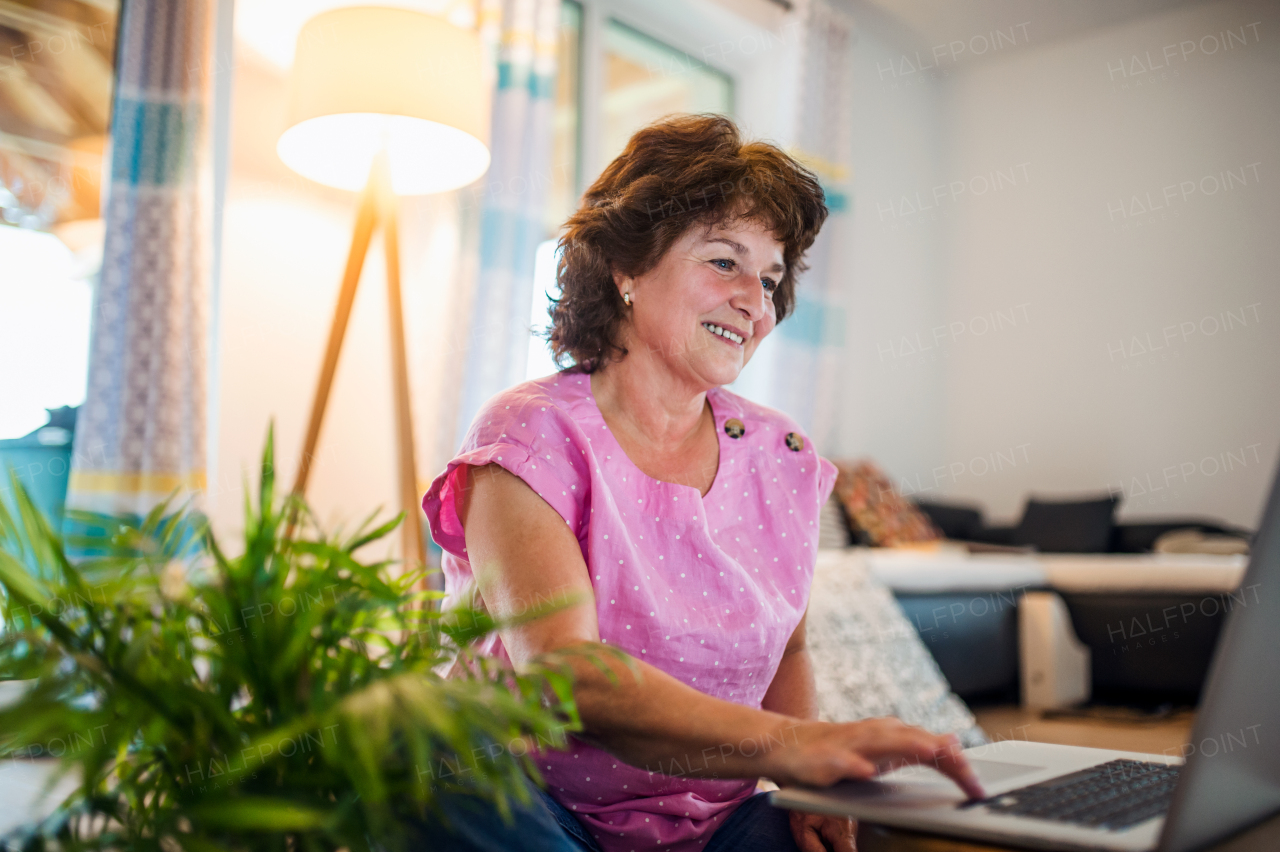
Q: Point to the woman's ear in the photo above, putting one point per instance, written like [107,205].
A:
[622,282]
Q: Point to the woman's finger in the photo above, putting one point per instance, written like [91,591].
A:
[838,832]
[913,745]
[802,831]
[858,767]
[952,763]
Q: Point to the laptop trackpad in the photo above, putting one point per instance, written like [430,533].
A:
[993,772]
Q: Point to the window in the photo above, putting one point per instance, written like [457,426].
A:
[540,363]
[45,344]
[644,79]
[566,171]
[55,102]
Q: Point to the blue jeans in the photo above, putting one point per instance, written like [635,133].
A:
[547,826]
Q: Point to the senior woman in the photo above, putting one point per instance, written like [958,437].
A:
[683,517]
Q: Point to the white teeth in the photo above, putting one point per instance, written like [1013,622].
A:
[723,332]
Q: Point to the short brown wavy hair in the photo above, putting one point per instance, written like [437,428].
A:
[674,174]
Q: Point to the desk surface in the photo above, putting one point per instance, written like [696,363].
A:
[876,838]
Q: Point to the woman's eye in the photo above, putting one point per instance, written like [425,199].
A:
[769,284]
[727,264]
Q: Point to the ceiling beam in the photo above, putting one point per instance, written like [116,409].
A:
[36,147]
[33,21]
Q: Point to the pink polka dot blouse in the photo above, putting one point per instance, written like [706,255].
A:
[708,589]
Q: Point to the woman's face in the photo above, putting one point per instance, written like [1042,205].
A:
[707,304]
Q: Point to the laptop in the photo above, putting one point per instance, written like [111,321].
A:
[1043,796]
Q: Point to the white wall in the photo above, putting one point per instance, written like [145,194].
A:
[891,402]
[1137,350]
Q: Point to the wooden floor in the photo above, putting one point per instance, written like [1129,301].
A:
[1098,728]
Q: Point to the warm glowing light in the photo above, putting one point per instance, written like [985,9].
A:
[425,156]
[367,80]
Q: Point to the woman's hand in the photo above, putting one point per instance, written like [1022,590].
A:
[820,833]
[821,753]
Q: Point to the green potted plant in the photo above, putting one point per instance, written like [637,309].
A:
[288,697]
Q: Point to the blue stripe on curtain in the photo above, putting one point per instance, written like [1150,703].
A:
[837,201]
[510,236]
[513,76]
[157,141]
[814,322]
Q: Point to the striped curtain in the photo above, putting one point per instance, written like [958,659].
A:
[806,356]
[522,36]
[140,434]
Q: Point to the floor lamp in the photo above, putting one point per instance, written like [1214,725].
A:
[388,102]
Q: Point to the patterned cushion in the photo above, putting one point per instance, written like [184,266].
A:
[833,529]
[875,508]
[869,661]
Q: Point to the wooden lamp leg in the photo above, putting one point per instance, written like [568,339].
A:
[366,219]
[376,200]
[411,529]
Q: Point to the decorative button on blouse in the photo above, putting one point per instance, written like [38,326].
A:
[795,442]
[707,588]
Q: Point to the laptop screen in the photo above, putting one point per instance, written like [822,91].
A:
[1232,776]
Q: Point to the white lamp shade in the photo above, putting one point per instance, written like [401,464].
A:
[367,79]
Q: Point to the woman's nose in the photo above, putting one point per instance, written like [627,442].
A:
[750,296]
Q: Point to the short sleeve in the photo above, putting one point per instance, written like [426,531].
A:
[530,436]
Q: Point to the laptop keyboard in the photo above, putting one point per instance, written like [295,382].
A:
[1113,795]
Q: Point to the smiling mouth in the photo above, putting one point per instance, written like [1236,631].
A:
[723,332]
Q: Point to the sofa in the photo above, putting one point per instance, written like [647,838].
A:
[1063,607]
[1080,526]
[1149,622]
